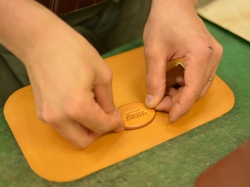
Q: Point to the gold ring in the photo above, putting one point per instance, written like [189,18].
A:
[211,79]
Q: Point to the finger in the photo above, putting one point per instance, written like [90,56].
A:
[103,89]
[180,80]
[167,102]
[216,56]
[210,79]
[90,114]
[82,134]
[76,134]
[195,76]
[155,78]
[104,95]
[170,91]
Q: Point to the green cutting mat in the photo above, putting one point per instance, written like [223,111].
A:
[175,163]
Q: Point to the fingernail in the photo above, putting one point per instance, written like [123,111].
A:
[149,100]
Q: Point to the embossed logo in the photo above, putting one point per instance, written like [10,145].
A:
[136,113]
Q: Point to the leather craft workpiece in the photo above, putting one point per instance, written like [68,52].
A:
[231,171]
[136,115]
[53,158]
[68,6]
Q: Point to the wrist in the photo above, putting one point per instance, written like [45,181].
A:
[167,3]
[173,11]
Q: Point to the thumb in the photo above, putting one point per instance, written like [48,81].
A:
[155,79]
[104,98]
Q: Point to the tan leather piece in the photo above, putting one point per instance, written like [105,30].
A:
[233,15]
[231,171]
[54,159]
[136,115]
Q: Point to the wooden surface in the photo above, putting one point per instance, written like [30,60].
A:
[232,15]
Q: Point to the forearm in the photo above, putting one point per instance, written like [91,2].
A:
[172,13]
[175,5]
[193,2]
[27,28]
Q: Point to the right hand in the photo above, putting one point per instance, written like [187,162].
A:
[70,81]
[73,91]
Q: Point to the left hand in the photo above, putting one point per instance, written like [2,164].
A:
[174,30]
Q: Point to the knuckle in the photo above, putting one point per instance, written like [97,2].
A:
[75,108]
[107,127]
[103,129]
[106,75]
[204,44]
[209,49]
[202,95]
[219,48]
[218,52]
[213,48]
[83,145]
[48,116]
[108,106]
[87,140]
[150,52]
[197,90]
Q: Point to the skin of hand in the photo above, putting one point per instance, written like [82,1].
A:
[174,30]
[71,82]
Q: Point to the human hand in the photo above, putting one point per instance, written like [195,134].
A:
[73,92]
[174,31]
[70,81]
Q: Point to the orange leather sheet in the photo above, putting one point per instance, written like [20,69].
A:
[54,159]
